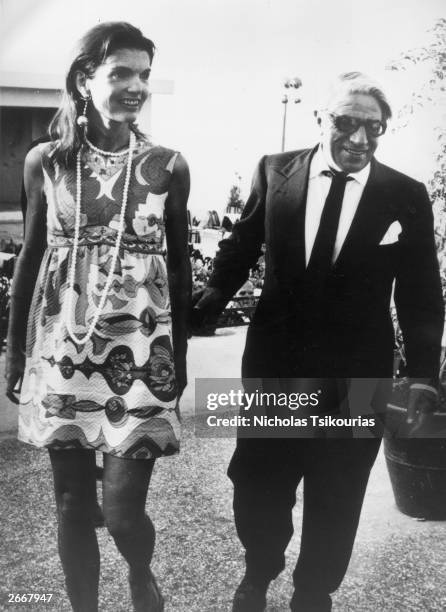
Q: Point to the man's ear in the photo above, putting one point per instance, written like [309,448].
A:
[80,78]
[318,117]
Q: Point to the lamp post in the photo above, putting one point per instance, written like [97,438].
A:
[293,83]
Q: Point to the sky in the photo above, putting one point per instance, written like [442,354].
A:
[228,60]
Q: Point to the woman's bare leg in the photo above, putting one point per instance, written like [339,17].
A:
[75,490]
[125,486]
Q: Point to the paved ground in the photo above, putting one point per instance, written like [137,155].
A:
[398,564]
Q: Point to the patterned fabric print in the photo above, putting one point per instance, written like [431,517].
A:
[117,393]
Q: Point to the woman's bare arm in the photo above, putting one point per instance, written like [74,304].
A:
[26,270]
[178,265]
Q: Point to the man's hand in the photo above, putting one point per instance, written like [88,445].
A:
[15,366]
[207,299]
[422,404]
[207,304]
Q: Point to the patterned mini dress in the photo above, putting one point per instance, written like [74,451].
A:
[117,393]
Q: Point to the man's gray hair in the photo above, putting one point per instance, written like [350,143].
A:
[356,83]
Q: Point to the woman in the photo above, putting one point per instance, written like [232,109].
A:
[100,373]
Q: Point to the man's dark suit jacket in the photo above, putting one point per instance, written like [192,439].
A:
[345,330]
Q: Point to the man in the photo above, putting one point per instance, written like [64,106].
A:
[339,228]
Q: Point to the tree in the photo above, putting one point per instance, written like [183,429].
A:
[431,93]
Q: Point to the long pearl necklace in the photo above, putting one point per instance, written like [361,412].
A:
[108,283]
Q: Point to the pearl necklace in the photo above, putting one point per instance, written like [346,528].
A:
[106,153]
[108,283]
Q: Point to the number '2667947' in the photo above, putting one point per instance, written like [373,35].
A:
[29,597]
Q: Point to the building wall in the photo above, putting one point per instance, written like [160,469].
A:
[18,128]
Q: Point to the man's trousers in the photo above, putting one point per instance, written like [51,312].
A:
[266,473]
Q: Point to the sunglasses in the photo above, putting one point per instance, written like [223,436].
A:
[349,125]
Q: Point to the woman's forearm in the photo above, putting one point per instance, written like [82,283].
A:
[180,286]
[25,277]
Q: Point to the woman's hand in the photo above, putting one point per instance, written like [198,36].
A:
[15,366]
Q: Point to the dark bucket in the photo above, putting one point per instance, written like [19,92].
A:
[417,469]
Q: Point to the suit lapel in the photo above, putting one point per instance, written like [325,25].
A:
[289,218]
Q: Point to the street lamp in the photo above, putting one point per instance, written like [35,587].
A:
[293,83]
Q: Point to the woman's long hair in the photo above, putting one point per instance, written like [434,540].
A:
[93,49]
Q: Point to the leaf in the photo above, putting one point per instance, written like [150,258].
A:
[86,406]
[118,325]
[145,412]
[156,284]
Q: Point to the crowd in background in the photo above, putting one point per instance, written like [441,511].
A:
[202,270]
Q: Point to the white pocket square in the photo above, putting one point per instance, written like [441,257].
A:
[392,234]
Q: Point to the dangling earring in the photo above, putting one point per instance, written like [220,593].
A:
[82,120]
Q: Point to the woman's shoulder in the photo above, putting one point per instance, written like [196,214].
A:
[47,151]
[38,163]
[145,144]
[43,147]
[42,151]
[38,151]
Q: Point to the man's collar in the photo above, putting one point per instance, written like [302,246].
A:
[323,161]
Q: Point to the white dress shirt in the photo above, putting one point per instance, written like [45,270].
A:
[318,188]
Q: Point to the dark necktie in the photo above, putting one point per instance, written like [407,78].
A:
[322,254]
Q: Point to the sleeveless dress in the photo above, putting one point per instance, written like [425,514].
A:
[117,393]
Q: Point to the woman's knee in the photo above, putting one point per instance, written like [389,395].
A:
[118,527]
[75,508]
[124,523]
[74,483]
